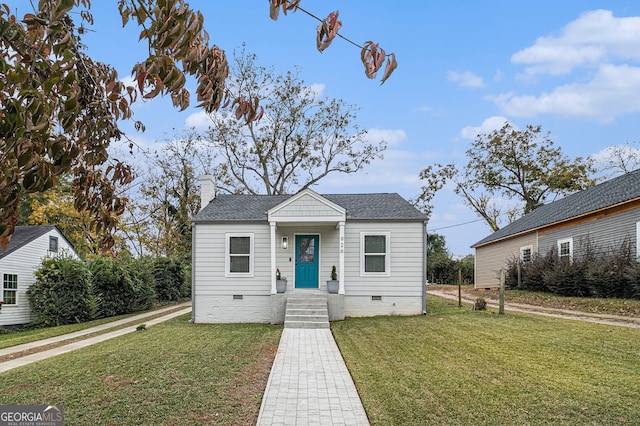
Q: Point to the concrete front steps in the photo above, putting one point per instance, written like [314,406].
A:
[306,310]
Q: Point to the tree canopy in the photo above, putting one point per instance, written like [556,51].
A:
[301,138]
[60,109]
[524,165]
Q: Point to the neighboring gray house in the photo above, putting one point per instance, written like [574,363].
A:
[375,241]
[28,247]
[605,215]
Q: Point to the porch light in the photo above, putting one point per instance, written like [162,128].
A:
[285,243]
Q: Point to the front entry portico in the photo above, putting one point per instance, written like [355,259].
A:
[304,215]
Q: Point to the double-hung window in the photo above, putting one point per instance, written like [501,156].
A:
[565,249]
[374,253]
[239,255]
[10,289]
[525,253]
[53,244]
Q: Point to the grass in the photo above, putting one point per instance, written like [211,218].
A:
[19,337]
[455,366]
[622,307]
[173,373]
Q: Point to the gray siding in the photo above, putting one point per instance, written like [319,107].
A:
[606,233]
[401,291]
[406,260]
[490,259]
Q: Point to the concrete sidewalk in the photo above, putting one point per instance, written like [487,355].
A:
[309,383]
[136,320]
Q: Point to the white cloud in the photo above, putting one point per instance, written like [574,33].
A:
[398,172]
[596,36]
[199,121]
[487,126]
[465,79]
[618,158]
[318,89]
[611,92]
[392,137]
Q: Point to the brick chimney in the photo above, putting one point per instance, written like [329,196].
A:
[207,190]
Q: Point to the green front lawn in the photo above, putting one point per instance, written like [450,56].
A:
[454,366]
[460,367]
[174,373]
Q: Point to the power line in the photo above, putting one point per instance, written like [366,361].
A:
[458,224]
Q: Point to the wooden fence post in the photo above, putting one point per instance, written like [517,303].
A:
[459,287]
[502,280]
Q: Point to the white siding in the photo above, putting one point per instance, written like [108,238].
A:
[306,206]
[23,262]
[401,292]
[209,250]
[406,260]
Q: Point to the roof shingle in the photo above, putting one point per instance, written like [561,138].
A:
[610,193]
[23,235]
[382,206]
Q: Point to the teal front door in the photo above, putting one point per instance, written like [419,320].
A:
[307,261]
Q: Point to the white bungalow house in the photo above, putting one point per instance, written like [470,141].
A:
[604,215]
[28,247]
[241,243]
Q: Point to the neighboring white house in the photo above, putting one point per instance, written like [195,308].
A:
[28,247]
[604,215]
[375,241]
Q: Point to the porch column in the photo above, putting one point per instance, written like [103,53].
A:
[272,226]
[341,274]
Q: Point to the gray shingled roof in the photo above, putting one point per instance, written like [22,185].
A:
[23,235]
[384,206]
[610,193]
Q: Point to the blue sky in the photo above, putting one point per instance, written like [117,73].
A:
[465,67]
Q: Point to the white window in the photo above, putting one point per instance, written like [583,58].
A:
[53,243]
[239,255]
[374,254]
[565,248]
[525,253]
[10,289]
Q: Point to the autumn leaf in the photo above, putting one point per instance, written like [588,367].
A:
[389,68]
[327,31]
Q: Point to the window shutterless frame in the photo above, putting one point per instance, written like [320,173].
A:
[10,289]
[375,254]
[239,254]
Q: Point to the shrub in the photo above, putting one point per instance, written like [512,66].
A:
[632,276]
[567,278]
[144,295]
[122,285]
[62,293]
[595,272]
[606,274]
[169,279]
[112,286]
[531,273]
[480,304]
